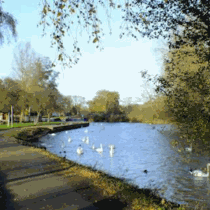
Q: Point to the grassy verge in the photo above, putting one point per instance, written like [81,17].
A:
[100,186]
[19,125]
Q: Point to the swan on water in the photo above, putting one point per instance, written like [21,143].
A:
[111,152]
[79,150]
[87,140]
[111,146]
[93,146]
[84,139]
[86,130]
[52,134]
[69,140]
[189,149]
[100,149]
[66,131]
[201,173]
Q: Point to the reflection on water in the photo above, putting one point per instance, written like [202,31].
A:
[138,147]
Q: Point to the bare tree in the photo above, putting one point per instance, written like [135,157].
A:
[24,58]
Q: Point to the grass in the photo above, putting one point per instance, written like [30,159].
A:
[19,125]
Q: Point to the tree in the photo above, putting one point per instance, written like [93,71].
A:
[187,80]
[7,24]
[78,104]
[148,18]
[105,101]
[24,59]
[43,85]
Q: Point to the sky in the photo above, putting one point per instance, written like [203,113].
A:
[116,68]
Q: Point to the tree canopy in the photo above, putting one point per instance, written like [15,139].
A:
[7,25]
[150,18]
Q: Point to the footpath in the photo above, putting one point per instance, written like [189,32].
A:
[29,180]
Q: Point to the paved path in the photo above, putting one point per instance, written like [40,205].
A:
[31,180]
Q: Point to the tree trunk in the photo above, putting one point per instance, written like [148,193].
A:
[8,119]
[37,119]
[29,114]
[21,116]
[48,120]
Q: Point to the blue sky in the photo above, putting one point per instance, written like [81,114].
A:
[115,69]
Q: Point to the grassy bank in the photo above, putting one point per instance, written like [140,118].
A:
[19,125]
[98,185]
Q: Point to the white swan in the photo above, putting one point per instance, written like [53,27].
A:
[69,140]
[52,134]
[100,149]
[111,152]
[93,146]
[84,139]
[201,173]
[87,140]
[111,146]
[66,131]
[189,149]
[79,150]
[86,130]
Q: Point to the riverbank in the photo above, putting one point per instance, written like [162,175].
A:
[35,179]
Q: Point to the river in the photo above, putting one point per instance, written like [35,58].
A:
[138,147]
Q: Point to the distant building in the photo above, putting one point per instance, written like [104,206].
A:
[55,114]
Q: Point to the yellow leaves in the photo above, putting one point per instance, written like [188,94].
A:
[96,32]
[60,57]
[59,14]
[92,11]
[61,6]
[72,10]
[95,40]
[44,10]
[63,32]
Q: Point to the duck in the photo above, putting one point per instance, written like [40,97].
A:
[69,140]
[145,171]
[201,173]
[100,149]
[79,150]
[189,149]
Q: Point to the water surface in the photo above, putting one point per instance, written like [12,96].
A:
[138,147]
